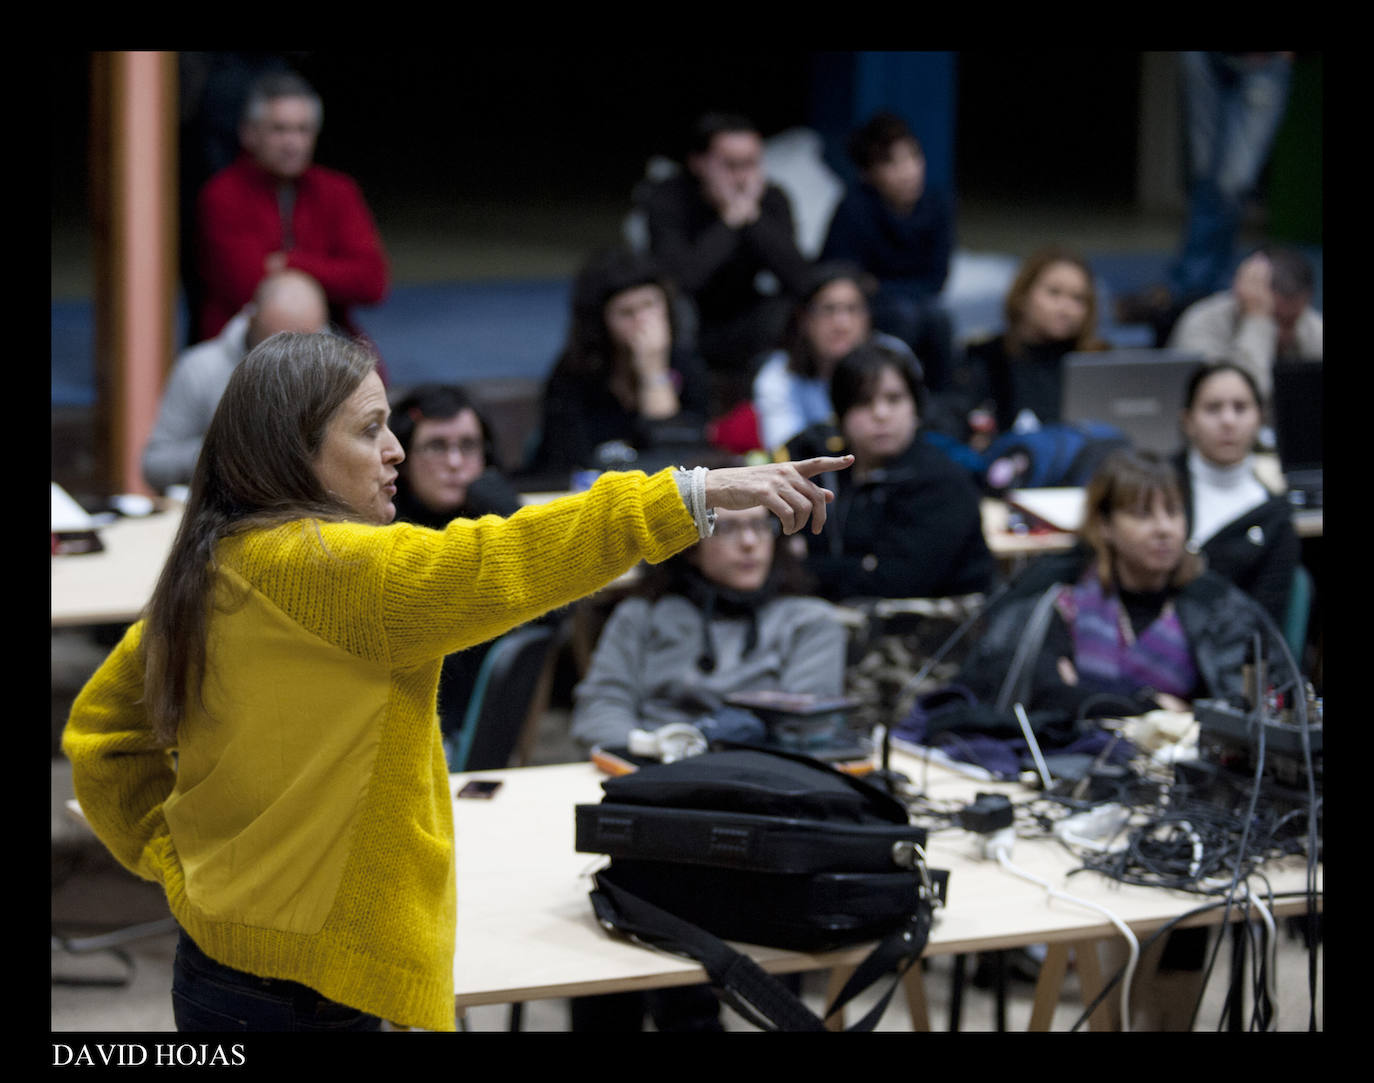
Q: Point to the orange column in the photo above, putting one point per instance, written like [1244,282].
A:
[134,188]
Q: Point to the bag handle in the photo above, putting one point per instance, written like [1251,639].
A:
[746,986]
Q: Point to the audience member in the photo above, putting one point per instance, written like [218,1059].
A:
[623,379]
[1132,622]
[1266,316]
[1015,379]
[284,301]
[274,208]
[450,471]
[1137,622]
[901,232]
[792,388]
[211,89]
[1245,531]
[908,521]
[724,617]
[717,227]
[1233,105]
[263,742]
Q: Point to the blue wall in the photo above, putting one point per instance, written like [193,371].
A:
[848,88]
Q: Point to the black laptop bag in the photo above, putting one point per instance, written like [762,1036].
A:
[767,848]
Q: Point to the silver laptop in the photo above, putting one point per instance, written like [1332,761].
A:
[1140,391]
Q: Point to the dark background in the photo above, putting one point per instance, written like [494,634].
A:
[425,126]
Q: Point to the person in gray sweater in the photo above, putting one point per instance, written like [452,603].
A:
[717,620]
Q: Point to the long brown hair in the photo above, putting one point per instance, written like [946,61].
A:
[1014,304]
[254,469]
[1131,479]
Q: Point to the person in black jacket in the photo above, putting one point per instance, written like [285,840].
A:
[722,231]
[902,232]
[1129,622]
[906,521]
[1133,620]
[624,382]
[1244,530]
[1016,377]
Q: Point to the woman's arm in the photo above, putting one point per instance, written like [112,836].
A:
[405,594]
[121,777]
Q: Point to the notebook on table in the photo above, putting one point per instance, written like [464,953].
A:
[1140,391]
[1297,403]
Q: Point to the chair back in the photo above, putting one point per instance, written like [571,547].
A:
[1299,612]
[510,681]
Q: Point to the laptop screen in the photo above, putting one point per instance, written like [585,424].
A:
[1297,400]
[1140,391]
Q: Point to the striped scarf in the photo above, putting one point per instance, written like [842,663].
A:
[1108,654]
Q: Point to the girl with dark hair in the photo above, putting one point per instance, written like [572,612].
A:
[263,742]
[1244,530]
[621,381]
[908,520]
[1016,377]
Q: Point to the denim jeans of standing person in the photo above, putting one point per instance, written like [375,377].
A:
[209,996]
[1234,103]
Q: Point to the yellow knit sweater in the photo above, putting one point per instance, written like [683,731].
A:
[304,829]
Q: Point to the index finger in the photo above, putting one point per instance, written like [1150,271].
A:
[822,464]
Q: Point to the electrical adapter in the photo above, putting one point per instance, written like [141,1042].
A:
[989,812]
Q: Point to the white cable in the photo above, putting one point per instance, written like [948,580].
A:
[1129,974]
[1272,969]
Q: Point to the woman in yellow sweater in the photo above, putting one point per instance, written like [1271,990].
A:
[264,744]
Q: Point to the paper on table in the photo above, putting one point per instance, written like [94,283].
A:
[1060,508]
[68,517]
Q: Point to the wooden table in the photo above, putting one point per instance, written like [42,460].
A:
[526,929]
[112,586]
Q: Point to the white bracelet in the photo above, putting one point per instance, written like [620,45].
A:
[692,486]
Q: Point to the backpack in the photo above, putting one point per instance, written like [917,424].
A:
[1053,455]
[768,848]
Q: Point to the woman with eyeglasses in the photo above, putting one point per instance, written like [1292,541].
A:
[724,617]
[450,471]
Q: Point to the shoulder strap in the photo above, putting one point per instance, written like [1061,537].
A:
[742,983]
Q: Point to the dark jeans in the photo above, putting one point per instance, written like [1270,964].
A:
[209,996]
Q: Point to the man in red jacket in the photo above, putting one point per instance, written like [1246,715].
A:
[274,209]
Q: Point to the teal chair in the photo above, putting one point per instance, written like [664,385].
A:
[1299,610]
[511,691]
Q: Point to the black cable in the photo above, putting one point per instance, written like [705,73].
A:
[1145,944]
